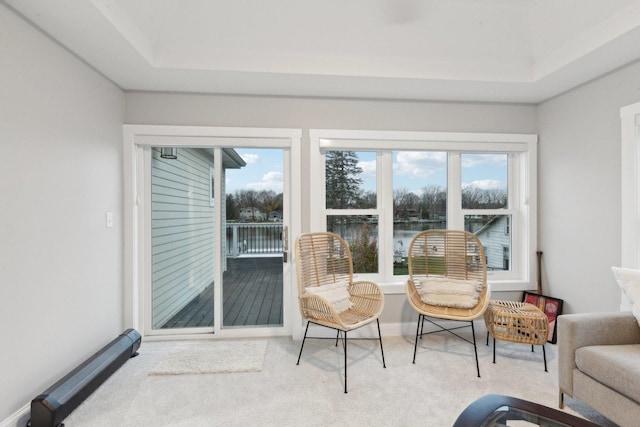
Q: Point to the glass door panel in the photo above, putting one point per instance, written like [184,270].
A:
[182,238]
[252,289]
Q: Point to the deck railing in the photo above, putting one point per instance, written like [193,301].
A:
[255,238]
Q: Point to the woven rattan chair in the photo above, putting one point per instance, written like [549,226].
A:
[328,295]
[447,281]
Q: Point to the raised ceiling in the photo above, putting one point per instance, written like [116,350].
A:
[459,50]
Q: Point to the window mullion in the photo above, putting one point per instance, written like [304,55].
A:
[455,216]
[385,205]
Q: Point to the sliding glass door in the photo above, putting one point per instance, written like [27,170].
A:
[213,220]
[183,237]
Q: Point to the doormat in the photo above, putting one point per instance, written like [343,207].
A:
[212,357]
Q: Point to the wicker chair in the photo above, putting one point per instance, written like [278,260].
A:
[447,272]
[327,294]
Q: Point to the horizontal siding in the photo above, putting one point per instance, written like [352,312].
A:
[170,242]
[494,239]
[163,225]
[182,231]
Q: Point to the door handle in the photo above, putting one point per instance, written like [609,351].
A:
[285,244]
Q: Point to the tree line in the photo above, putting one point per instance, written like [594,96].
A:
[266,201]
[343,191]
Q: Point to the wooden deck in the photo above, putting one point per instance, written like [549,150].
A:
[252,296]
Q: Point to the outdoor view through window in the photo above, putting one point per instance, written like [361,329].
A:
[418,200]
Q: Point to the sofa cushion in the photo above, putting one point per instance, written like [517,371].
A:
[629,281]
[616,366]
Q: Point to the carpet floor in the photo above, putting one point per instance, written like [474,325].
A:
[431,392]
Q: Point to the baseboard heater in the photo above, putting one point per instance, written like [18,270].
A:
[58,401]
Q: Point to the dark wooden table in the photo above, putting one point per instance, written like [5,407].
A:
[495,410]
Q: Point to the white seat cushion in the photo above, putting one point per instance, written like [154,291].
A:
[336,293]
[447,292]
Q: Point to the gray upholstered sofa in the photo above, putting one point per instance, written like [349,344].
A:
[599,363]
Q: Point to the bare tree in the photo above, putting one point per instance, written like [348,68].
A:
[478,198]
[367,200]
[248,199]
[405,202]
[232,210]
[433,201]
[270,201]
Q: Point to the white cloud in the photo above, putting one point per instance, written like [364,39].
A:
[419,164]
[368,168]
[270,181]
[470,160]
[250,159]
[484,184]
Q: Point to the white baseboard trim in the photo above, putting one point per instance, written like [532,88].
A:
[18,419]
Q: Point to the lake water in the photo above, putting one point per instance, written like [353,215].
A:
[403,233]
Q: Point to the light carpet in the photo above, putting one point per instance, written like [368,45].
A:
[432,392]
[211,357]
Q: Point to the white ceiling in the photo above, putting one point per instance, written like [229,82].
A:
[460,50]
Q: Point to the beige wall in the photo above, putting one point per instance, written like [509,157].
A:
[579,190]
[60,268]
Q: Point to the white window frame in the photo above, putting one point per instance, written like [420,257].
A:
[522,151]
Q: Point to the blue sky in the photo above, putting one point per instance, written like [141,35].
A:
[413,170]
[264,171]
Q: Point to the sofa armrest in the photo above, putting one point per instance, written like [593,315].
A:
[585,329]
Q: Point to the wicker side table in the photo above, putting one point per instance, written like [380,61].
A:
[518,322]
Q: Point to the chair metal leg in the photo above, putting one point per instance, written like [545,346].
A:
[337,337]
[302,345]
[345,361]
[384,365]
[544,356]
[475,348]
[415,348]
[420,332]
[494,350]
[561,399]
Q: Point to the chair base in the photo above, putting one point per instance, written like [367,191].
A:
[518,322]
[344,345]
[420,332]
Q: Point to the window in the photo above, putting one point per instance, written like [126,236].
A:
[350,203]
[379,189]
